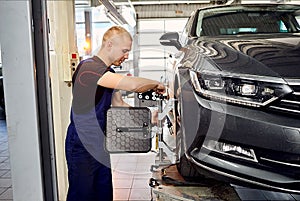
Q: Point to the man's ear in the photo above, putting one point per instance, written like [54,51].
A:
[109,43]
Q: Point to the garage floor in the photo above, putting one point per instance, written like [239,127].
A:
[131,174]
[5,177]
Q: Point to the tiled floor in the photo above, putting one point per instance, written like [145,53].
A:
[5,178]
[131,174]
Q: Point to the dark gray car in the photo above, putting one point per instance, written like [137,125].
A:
[237,85]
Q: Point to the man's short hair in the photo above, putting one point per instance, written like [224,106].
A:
[114,31]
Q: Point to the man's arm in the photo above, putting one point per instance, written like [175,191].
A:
[128,83]
[117,100]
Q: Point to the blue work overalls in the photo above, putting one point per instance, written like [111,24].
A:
[89,170]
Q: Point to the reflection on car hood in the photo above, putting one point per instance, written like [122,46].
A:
[257,55]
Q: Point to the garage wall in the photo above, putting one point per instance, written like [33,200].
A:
[153,57]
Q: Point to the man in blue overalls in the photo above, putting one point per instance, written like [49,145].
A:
[95,89]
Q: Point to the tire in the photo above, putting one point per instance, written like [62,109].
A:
[188,170]
[184,166]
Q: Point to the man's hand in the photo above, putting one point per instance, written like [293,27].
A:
[154,118]
[160,88]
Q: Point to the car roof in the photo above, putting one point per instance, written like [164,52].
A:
[266,7]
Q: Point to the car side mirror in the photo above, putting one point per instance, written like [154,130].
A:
[170,39]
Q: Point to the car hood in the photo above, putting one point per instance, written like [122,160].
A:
[277,56]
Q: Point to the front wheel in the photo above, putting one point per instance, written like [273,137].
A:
[184,166]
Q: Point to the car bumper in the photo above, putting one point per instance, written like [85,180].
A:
[274,140]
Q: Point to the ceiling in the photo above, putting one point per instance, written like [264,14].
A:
[154,2]
[151,8]
[145,9]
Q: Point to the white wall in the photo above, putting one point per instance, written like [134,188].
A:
[153,57]
[21,104]
[62,39]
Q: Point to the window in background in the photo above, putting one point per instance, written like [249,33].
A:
[99,24]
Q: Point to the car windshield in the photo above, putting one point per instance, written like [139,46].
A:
[247,21]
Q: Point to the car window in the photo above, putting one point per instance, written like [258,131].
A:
[184,35]
[245,22]
[298,19]
[186,30]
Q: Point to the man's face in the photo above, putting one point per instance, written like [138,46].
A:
[121,49]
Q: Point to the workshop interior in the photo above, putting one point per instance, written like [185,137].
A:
[228,125]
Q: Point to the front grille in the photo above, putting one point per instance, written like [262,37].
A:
[289,104]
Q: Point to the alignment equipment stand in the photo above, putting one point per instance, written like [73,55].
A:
[166,154]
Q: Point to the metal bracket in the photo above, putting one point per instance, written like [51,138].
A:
[163,148]
[168,107]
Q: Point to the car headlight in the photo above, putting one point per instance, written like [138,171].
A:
[248,90]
